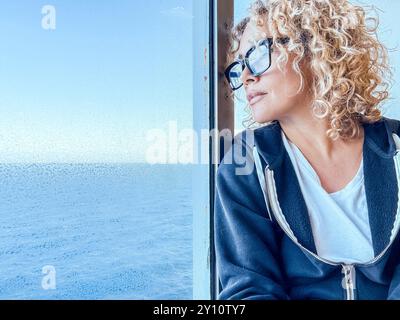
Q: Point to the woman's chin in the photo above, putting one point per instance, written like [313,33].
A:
[262,113]
[262,118]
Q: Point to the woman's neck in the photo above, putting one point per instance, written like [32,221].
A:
[309,134]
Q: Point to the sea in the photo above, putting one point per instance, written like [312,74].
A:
[95,231]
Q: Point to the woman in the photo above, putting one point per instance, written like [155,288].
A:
[318,216]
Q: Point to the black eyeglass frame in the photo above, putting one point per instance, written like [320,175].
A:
[245,62]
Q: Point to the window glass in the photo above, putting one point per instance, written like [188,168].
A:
[90,91]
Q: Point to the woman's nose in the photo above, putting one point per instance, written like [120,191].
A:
[247,76]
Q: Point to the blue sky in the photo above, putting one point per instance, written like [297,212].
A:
[89,90]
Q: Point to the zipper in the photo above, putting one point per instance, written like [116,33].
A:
[349,280]
[349,270]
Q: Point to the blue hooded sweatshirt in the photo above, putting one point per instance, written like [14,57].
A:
[263,239]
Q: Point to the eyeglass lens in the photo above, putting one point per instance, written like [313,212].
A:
[257,61]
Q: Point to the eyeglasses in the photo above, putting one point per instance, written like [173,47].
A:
[257,60]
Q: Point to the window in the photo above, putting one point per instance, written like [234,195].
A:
[88,92]
[106,178]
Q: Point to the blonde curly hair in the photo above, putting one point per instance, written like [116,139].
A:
[349,65]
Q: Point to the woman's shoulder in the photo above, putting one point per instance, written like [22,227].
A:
[238,154]
[237,183]
[380,136]
[390,124]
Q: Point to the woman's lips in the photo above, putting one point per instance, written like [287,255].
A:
[257,98]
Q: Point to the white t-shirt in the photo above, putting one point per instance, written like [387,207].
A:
[339,220]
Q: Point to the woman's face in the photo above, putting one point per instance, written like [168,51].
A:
[275,90]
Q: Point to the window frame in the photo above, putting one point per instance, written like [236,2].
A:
[212,109]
